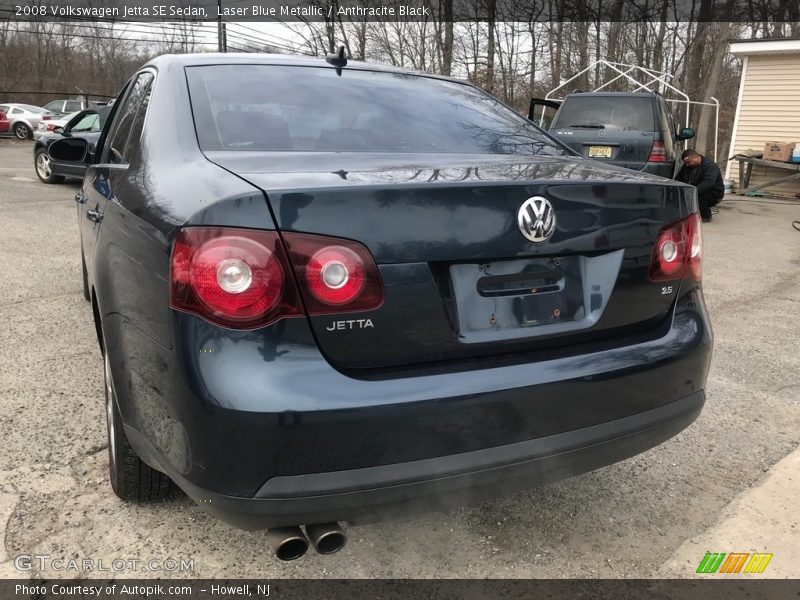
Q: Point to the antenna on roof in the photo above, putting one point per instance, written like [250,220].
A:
[337,59]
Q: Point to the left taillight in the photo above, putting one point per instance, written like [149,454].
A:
[678,247]
[232,277]
[242,278]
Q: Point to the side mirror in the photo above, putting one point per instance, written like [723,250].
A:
[686,133]
[69,150]
[58,130]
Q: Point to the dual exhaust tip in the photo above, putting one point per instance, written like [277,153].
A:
[290,543]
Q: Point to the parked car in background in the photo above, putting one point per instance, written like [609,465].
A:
[86,125]
[4,123]
[635,130]
[52,124]
[24,118]
[405,298]
[62,107]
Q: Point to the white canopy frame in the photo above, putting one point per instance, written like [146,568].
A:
[644,78]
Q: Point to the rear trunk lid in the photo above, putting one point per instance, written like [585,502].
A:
[460,278]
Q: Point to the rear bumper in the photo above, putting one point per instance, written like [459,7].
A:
[264,439]
[369,494]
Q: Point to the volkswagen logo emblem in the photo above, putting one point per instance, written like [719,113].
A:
[536,219]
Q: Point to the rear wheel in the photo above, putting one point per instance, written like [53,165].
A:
[22,131]
[131,479]
[44,170]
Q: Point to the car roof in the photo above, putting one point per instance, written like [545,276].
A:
[246,58]
[22,105]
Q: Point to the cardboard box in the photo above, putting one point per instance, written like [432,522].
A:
[781,151]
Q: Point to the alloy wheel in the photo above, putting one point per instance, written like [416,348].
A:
[21,131]
[43,165]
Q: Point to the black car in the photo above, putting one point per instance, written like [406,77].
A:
[342,292]
[635,130]
[87,125]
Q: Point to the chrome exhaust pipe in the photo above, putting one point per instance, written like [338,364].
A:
[327,538]
[288,543]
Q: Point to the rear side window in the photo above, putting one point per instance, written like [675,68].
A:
[117,148]
[72,106]
[627,113]
[280,108]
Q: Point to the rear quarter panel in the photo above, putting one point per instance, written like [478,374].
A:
[168,184]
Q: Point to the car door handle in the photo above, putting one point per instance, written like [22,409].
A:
[80,197]
[94,215]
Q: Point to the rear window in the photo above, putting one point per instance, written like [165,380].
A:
[280,108]
[628,113]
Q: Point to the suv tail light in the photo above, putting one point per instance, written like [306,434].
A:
[658,153]
[678,246]
[242,278]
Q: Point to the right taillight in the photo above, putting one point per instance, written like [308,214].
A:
[242,278]
[696,247]
[658,153]
[678,247]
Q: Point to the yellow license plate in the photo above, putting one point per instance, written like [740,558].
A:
[599,151]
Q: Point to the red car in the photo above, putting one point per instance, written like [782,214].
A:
[3,122]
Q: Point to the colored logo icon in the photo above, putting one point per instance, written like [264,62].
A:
[734,562]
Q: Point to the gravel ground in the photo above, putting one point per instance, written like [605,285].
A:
[624,520]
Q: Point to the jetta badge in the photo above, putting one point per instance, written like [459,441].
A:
[536,219]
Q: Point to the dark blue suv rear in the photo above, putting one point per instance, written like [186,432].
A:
[635,130]
[404,297]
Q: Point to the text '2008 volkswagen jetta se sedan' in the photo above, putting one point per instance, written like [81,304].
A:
[331,292]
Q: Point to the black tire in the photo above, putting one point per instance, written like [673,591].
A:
[22,131]
[41,164]
[131,479]
[86,294]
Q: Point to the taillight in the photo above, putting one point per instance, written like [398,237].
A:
[242,278]
[658,153]
[336,275]
[46,117]
[696,247]
[678,246]
[51,127]
[232,277]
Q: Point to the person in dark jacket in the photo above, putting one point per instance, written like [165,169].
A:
[703,173]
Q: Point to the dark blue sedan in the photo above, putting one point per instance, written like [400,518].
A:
[330,291]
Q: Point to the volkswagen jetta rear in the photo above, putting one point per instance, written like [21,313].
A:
[333,292]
